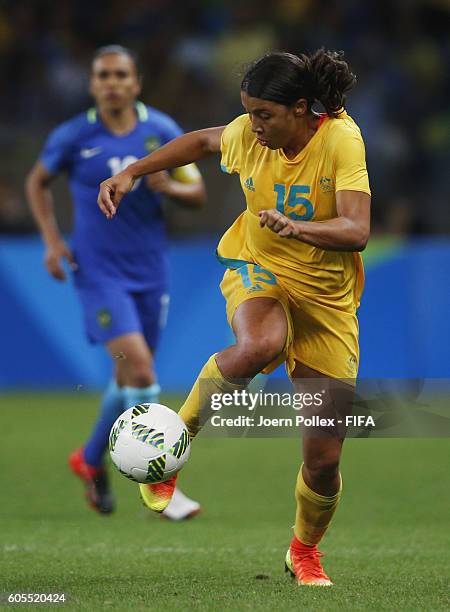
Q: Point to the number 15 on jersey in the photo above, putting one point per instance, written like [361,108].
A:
[297,207]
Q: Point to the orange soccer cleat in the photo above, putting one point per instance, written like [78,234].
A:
[157,496]
[95,479]
[303,563]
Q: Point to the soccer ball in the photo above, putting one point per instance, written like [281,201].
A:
[149,443]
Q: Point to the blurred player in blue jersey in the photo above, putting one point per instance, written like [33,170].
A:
[119,269]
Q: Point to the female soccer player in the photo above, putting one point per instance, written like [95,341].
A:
[120,269]
[294,276]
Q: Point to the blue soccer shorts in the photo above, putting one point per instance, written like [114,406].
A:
[110,311]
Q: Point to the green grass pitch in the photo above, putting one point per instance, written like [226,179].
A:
[387,549]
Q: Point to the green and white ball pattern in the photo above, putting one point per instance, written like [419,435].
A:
[149,443]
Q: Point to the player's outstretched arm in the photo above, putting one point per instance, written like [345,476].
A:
[184,186]
[37,187]
[178,152]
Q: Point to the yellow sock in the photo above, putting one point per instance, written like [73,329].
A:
[314,512]
[196,410]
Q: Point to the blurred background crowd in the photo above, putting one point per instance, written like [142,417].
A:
[193,53]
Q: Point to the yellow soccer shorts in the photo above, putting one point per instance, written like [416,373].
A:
[321,337]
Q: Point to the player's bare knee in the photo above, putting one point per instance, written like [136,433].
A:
[140,379]
[138,373]
[324,466]
[258,352]
[268,347]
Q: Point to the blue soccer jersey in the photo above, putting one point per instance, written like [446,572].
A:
[131,248]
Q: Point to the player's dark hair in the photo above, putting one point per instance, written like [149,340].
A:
[119,49]
[285,78]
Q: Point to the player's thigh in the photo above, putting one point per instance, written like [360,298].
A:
[109,311]
[152,307]
[257,308]
[260,317]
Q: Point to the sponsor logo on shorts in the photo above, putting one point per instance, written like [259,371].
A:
[249,184]
[326,184]
[255,288]
[352,364]
[104,318]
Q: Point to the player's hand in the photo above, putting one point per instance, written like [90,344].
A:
[160,182]
[278,223]
[53,256]
[112,191]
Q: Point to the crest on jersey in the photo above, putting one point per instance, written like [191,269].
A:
[326,184]
[104,318]
[152,143]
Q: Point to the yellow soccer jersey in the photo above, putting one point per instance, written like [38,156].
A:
[303,188]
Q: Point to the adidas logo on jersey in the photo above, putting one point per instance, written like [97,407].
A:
[249,184]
